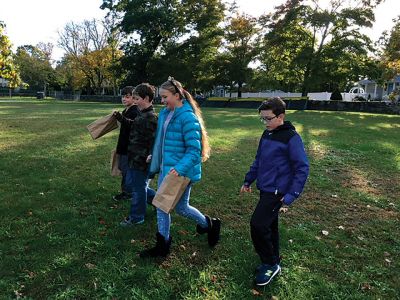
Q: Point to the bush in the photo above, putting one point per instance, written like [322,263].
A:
[359,98]
[336,95]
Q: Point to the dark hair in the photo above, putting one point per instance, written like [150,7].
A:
[175,87]
[128,90]
[145,89]
[276,104]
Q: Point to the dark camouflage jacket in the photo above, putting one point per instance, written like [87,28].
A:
[141,137]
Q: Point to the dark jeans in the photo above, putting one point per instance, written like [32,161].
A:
[126,186]
[264,227]
[140,193]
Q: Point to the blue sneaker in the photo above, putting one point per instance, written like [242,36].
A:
[266,273]
[127,222]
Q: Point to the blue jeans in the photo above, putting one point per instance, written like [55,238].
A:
[182,208]
[126,185]
[140,193]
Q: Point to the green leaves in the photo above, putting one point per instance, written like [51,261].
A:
[8,69]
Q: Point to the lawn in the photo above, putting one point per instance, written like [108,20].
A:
[59,228]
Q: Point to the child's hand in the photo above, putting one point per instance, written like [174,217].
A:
[117,115]
[148,159]
[173,171]
[245,189]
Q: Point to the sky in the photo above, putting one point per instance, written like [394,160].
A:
[31,22]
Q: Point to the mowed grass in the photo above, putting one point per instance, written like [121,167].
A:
[59,229]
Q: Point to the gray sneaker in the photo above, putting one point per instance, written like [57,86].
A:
[127,222]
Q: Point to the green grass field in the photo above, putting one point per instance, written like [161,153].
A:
[59,229]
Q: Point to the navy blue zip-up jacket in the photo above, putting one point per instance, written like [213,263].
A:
[281,164]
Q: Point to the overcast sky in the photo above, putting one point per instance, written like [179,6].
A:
[31,22]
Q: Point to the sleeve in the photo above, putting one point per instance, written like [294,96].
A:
[150,131]
[192,140]
[252,173]
[124,120]
[300,166]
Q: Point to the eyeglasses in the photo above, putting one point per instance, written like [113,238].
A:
[266,119]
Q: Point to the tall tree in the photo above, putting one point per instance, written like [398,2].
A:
[240,49]
[390,56]
[331,43]
[169,37]
[8,69]
[87,46]
[35,65]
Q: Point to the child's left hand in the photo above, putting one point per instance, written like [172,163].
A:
[174,172]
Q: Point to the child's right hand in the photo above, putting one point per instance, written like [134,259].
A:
[148,158]
[245,189]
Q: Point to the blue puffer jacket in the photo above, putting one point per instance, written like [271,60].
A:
[281,163]
[180,146]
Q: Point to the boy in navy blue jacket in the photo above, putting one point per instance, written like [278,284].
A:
[281,170]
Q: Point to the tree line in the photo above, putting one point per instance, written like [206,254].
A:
[298,47]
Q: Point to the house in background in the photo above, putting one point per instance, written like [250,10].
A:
[376,91]
[3,82]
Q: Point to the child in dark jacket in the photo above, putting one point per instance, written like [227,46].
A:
[129,112]
[281,170]
[141,140]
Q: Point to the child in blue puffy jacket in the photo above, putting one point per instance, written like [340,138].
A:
[281,170]
[180,146]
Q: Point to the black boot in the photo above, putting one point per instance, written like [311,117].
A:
[213,230]
[161,249]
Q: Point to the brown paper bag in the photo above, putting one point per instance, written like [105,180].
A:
[115,171]
[102,126]
[170,192]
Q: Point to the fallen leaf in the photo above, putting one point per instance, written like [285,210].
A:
[341,227]
[365,286]
[213,278]
[30,213]
[388,261]
[318,238]
[102,221]
[256,293]
[182,247]
[18,294]
[386,254]
[90,266]
[203,290]
[334,196]
[325,232]
[291,241]
[41,193]
[183,232]
[284,210]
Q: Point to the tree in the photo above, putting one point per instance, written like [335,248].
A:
[332,50]
[88,48]
[390,56]
[240,49]
[35,65]
[179,38]
[8,69]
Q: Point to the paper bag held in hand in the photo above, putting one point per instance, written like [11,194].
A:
[102,126]
[170,192]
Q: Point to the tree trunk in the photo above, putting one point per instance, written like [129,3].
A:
[240,84]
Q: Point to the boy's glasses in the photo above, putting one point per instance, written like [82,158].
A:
[266,119]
